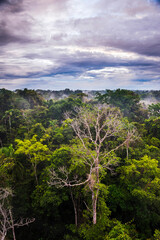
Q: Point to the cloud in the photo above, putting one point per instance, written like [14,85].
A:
[79,44]
[129,26]
[13,6]
[154,1]
[6,36]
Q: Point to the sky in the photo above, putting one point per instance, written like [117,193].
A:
[80,44]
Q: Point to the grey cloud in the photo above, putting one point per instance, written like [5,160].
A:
[19,23]
[56,31]
[11,5]
[41,6]
[79,62]
[138,35]
[59,37]
[7,37]
[127,25]
[3,2]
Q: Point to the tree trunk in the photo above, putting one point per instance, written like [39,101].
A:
[13,231]
[1,142]
[127,149]
[3,237]
[127,152]
[75,209]
[35,172]
[95,193]
[94,205]
[36,176]
[9,124]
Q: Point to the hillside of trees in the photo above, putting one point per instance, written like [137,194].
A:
[79,165]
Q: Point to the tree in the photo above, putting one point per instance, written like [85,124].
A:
[7,221]
[57,109]
[6,164]
[94,129]
[137,194]
[6,100]
[63,157]
[126,100]
[33,98]
[154,110]
[35,150]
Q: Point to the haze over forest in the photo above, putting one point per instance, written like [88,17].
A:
[93,44]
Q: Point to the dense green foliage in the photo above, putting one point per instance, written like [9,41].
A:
[58,156]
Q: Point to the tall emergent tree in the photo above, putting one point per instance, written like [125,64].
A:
[100,131]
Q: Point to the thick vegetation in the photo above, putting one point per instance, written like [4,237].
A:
[77,168]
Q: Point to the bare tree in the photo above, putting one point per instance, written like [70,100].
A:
[94,128]
[7,221]
[61,179]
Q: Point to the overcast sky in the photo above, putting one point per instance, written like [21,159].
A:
[80,44]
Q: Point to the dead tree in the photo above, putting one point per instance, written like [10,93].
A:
[94,128]
[7,222]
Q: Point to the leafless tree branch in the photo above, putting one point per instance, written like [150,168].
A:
[7,221]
